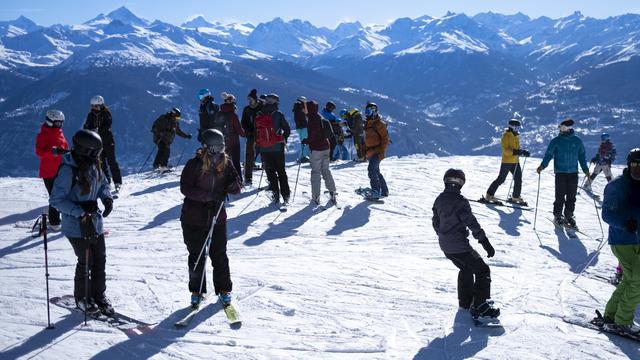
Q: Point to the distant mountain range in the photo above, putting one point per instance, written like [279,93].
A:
[446,85]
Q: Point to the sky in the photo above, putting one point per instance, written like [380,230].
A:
[321,13]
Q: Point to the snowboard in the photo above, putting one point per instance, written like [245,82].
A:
[598,324]
[366,194]
[124,323]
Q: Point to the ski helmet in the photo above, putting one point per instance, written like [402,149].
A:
[604,137]
[330,106]
[343,113]
[175,112]
[54,118]
[272,99]
[634,156]
[301,99]
[97,101]
[514,124]
[212,141]
[371,109]
[454,176]
[87,143]
[202,93]
[566,125]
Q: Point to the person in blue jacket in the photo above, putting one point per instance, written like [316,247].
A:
[78,186]
[566,150]
[621,210]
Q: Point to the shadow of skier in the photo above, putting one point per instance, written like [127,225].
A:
[571,251]
[45,338]
[30,215]
[351,218]
[282,230]
[164,217]
[155,188]
[27,243]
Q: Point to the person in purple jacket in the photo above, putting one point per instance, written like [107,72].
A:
[205,182]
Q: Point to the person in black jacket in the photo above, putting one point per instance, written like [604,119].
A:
[451,217]
[99,121]
[207,112]
[248,123]
[164,130]
[300,119]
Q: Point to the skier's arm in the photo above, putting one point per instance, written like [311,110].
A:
[507,144]
[181,133]
[384,135]
[582,159]
[283,125]
[615,207]
[106,122]
[435,220]
[61,189]
[548,155]
[105,189]
[467,217]
[233,180]
[236,125]
[246,122]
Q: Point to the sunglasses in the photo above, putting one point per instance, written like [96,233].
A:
[634,164]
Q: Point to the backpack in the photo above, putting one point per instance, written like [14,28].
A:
[327,129]
[265,133]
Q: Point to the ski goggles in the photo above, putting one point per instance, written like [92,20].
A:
[564,128]
[370,111]
[58,124]
[634,164]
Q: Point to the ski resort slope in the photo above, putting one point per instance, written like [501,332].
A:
[367,281]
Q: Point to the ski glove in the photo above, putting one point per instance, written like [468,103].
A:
[631,225]
[87,230]
[525,153]
[586,173]
[90,206]
[58,150]
[108,206]
[539,169]
[487,247]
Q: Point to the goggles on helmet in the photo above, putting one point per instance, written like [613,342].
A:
[564,128]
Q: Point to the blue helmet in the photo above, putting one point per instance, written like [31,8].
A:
[343,113]
[604,137]
[202,93]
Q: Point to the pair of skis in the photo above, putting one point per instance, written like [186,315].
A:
[509,204]
[599,324]
[232,314]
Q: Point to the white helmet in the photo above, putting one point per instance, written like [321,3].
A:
[54,118]
[226,97]
[97,100]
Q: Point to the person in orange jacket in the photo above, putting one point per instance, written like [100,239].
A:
[376,140]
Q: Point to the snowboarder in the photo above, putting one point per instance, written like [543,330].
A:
[99,120]
[272,132]
[319,145]
[164,131]
[621,210]
[301,127]
[567,150]
[248,123]
[327,113]
[510,163]
[205,182]
[50,146]
[207,112]
[232,130]
[376,140]
[451,217]
[604,158]
[79,184]
[355,123]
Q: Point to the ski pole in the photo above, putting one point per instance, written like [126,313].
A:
[43,231]
[585,180]
[206,246]
[255,197]
[184,146]
[147,159]
[535,216]
[514,175]
[295,188]
[595,206]
[600,246]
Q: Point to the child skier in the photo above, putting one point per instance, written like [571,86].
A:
[451,217]
[603,159]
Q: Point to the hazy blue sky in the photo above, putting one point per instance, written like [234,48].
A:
[319,12]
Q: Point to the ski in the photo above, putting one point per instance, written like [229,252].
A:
[233,316]
[500,203]
[332,201]
[124,323]
[570,230]
[598,324]
[185,321]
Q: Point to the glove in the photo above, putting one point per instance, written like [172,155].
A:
[108,206]
[189,136]
[87,230]
[525,153]
[487,247]
[539,169]
[58,151]
[89,206]
[586,173]
[631,225]
[305,141]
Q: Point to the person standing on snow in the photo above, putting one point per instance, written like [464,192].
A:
[164,131]
[510,164]
[300,119]
[76,189]
[604,158]
[232,130]
[248,123]
[99,120]
[621,210]
[50,146]
[319,159]
[566,150]
[327,113]
[207,112]
[354,121]
[205,182]
[451,217]
[376,140]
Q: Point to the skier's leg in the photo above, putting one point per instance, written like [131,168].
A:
[249,158]
[517,181]
[384,190]
[194,238]
[504,171]
[465,279]
[482,273]
[329,183]
[558,204]
[98,264]
[316,159]
[110,154]
[104,165]
[219,259]
[282,175]
[374,173]
[571,189]
[269,166]
[607,172]
[629,297]
[235,158]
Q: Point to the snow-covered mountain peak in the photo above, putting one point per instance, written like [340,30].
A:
[197,22]
[122,14]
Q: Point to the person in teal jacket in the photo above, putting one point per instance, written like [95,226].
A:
[567,150]
[621,210]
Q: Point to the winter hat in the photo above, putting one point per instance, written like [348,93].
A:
[226,97]
[253,94]
[568,123]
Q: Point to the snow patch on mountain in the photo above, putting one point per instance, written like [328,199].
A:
[38,106]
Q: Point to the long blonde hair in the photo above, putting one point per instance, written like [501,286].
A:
[207,161]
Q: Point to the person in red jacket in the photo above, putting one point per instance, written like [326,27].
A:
[50,145]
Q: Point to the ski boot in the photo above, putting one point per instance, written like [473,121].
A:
[490,199]
[225,298]
[372,195]
[484,310]
[558,220]
[88,306]
[196,299]
[104,305]
[518,201]
[332,197]
[117,188]
[629,329]
[570,222]
[315,201]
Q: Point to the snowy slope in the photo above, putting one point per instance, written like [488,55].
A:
[364,282]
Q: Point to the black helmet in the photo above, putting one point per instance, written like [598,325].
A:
[634,156]
[175,112]
[514,122]
[330,105]
[87,143]
[454,176]
[212,141]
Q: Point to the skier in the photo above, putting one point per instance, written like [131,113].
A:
[99,120]
[248,123]
[376,139]
[79,184]
[207,111]
[451,217]
[603,159]
[510,164]
[327,113]
[50,146]
[567,150]
[164,131]
[621,210]
[272,133]
[205,182]
[301,127]
[354,120]
[319,146]
[232,130]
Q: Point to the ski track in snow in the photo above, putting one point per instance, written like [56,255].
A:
[367,281]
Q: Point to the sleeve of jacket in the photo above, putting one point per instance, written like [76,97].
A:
[181,133]
[105,189]
[508,143]
[246,122]
[548,155]
[284,125]
[582,158]
[612,153]
[237,127]
[107,121]
[233,180]
[435,220]
[467,218]
[42,149]
[88,123]
[614,205]
[61,189]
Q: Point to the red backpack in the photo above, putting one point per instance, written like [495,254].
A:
[266,135]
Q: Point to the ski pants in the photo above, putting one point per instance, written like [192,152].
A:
[195,238]
[341,152]
[332,146]
[304,150]
[606,168]
[233,150]
[108,158]
[249,158]
[162,157]
[54,214]
[474,278]
[358,143]
[97,262]
[320,168]
[566,189]
[505,169]
[274,165]
[376,180]
[626,297]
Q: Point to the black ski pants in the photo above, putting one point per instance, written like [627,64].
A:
[274,166]
[333,142]
[54,214]
[505,169]
[566,189]
[162,156]
[108,158]
[97,256]
[474,278]
[249,158]
[233,150]
[195,238]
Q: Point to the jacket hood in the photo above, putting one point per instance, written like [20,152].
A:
[226,107]
[269,108]
[312,108]
[68,160]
